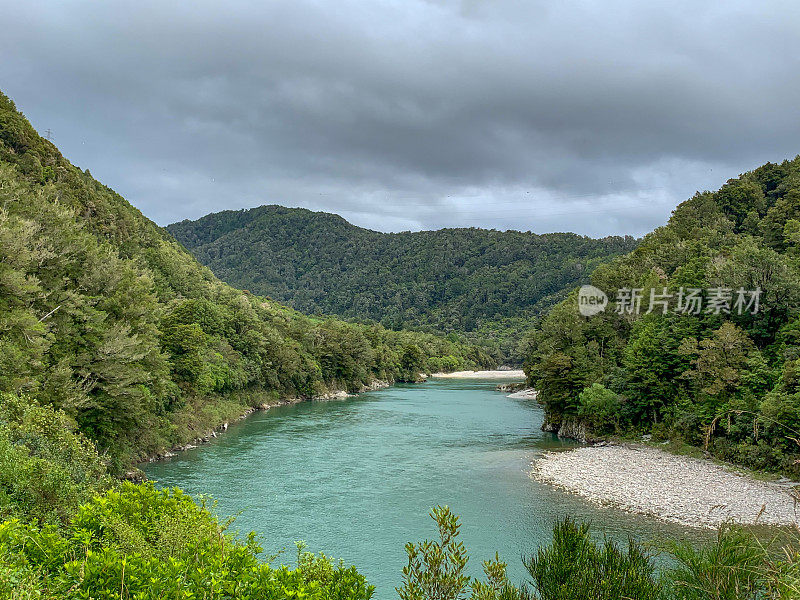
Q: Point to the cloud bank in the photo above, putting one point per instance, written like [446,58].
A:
[594,117]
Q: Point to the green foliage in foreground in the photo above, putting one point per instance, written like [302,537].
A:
[435,569]
[141,543]
[485,284]
[107,318]
[67,532]
[574,566]
[727,382]
[47,469]
[736,566]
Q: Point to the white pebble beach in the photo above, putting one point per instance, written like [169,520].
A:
[498,374]
[678,489]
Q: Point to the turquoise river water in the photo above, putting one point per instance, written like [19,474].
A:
[356,478]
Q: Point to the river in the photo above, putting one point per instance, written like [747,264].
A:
[356,478]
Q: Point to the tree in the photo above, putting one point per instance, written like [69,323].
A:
[413,360]
[718,360]
[653,364]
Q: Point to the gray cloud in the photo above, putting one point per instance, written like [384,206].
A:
[595,117]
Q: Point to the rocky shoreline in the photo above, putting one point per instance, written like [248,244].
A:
[677,489]
[569,428]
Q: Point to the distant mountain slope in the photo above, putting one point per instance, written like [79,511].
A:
[105,316]
[451,280]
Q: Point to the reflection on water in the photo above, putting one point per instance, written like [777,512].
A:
[356,478]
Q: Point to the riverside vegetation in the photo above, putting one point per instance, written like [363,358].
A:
[70,531]
[115,343]
[728,383]
[736,566]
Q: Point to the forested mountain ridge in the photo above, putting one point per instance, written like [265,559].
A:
[719,377]
[487,283]
[104,316]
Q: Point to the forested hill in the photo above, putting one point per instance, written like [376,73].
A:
[104,316]
[711,372]
[451,280]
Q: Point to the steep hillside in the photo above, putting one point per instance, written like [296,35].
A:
[104,316]
[485,282]
[713,371]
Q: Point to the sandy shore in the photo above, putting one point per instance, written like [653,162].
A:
[511,374]
[648,481]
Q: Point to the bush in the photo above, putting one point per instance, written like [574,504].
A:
[574,566]
[140,542]
[599,408]
[732,568]
[47,469]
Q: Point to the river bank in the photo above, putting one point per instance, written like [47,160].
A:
[211,433]
[678,489]
[525,394]
[494,374]
[136,473]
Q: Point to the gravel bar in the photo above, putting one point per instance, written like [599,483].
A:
[679,489]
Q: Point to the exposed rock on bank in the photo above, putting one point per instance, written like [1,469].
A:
[569,428]
[513,386]
[688,491]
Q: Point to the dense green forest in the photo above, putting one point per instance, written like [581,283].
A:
[713,378]
[485,284]
[107,318]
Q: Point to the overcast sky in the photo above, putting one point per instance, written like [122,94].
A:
[595,116]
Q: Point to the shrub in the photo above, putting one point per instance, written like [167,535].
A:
[729,569]
[140,542]
[435,569]
[599,408]
[574,566]
[46,468]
